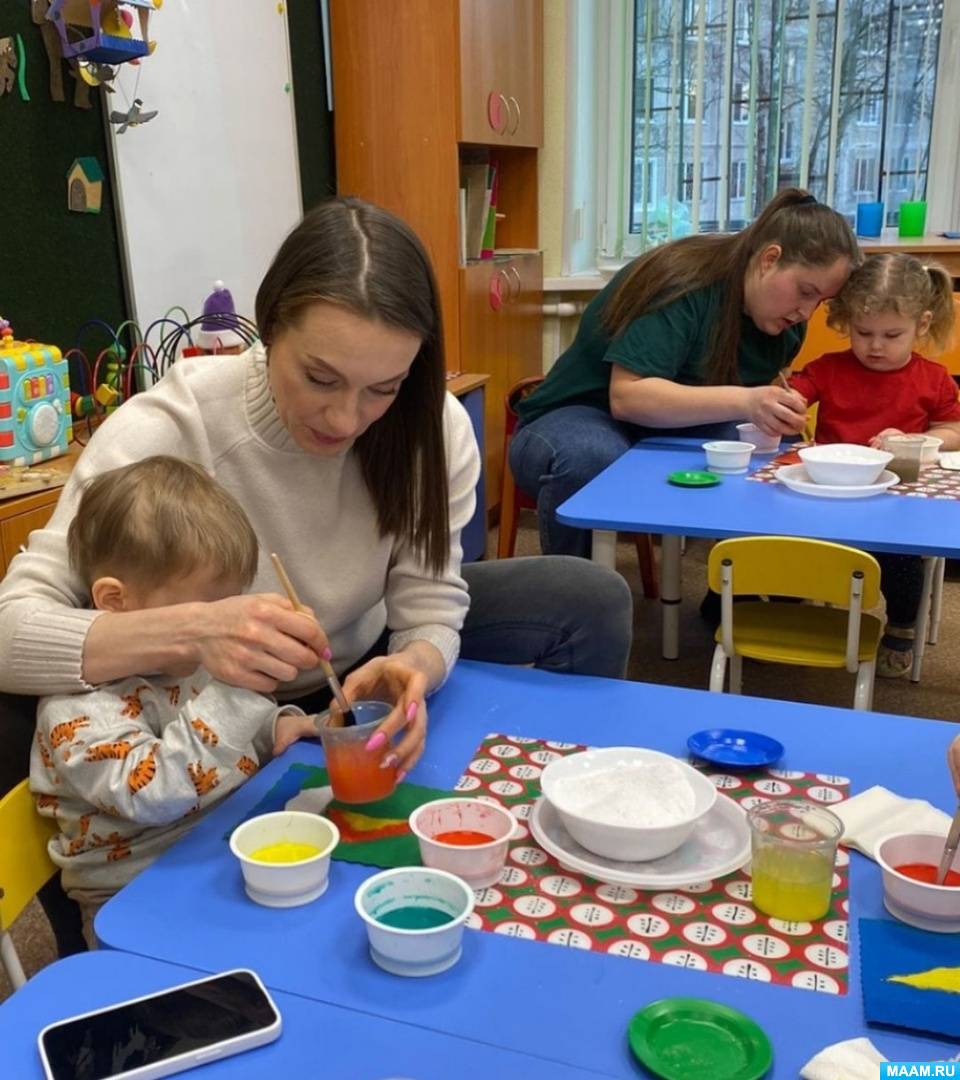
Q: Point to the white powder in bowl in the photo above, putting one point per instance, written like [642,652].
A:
[635,794]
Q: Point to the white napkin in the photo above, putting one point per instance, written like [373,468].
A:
[855,1059]
[877,812]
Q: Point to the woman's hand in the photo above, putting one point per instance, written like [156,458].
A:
[290,727]
[394,678]
[953,760]
[877,441]
[256,641]
[776,410]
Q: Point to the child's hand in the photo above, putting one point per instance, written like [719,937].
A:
[877,441]
[953,760]
[291,727]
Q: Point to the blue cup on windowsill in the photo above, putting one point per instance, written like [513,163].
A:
[869,219]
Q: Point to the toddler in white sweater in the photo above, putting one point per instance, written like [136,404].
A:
[127,768]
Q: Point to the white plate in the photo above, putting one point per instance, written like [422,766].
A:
[796,479]
[719,845]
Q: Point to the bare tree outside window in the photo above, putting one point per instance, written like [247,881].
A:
[784,102]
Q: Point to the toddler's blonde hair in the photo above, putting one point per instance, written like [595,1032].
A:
[899,283]
[157,520]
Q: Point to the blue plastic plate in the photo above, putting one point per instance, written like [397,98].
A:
[735,749]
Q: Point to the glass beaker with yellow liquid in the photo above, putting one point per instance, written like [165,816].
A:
[794,847]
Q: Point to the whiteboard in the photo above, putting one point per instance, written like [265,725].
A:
[207,189]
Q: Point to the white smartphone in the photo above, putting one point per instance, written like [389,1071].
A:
[162,1033]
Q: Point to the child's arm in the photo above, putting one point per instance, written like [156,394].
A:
[147,757]
[807,382]
[950,433]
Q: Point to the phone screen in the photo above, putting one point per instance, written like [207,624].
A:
[157,1028]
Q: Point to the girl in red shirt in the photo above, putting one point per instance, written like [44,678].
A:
[880,387]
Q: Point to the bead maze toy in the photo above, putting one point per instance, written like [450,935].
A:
[35,422]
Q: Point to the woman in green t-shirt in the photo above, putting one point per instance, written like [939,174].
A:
[689,337]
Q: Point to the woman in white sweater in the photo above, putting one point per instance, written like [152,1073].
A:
[338,438]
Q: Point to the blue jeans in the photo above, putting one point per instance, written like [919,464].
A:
[562,615]
[554,456]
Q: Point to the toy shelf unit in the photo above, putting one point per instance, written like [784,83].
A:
[35,423]
[103,31]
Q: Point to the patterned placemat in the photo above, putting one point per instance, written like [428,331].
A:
[708,925]
[934,482]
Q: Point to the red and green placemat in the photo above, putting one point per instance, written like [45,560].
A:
[375,834]
[934,482]
[708,925]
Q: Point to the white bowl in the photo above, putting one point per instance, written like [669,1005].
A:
[931,450]
[626,843]
[478,864]
[929,907]
[414,952]
[285,884]
[765,444]
[727,456]
[844,464]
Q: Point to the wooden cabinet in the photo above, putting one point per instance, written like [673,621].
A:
[501,72]
[19,517]
[418,84]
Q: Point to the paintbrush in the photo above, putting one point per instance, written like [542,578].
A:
[331,676]
[949,849]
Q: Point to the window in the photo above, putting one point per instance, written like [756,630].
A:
[840,118]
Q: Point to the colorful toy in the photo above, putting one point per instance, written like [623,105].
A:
[35,420]
[101,30]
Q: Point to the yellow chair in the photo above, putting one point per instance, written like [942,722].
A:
[780,632]
[25,867]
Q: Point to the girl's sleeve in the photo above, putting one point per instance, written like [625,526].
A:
[120,751]
[660,343]
[421,606]
[809,381]
[43,624]
[947,406]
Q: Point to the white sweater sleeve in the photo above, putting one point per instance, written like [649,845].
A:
[42,622]
[420,606]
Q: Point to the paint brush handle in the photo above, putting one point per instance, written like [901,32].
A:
[949,849]
[782,380]
[331,676]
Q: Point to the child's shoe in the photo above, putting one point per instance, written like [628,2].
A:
[895,655]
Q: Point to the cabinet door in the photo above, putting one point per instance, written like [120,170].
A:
[15,530]
[525,350]
[501,72]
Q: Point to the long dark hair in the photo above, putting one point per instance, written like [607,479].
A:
[350,253]
[808,233]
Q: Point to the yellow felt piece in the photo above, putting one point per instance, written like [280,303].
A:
[941,978]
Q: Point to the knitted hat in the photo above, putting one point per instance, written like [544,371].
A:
[219,328]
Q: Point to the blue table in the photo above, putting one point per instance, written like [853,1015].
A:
[568,1005]
[632,495]
[317,1040]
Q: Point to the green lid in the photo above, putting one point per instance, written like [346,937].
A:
[693,478]
[691,1039]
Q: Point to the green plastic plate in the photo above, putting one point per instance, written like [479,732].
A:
[693,478]
[692,1039]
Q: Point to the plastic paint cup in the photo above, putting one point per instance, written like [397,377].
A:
[869,219]
[478,863]
[356,775]
[794,848]
[907,453]
[913,218]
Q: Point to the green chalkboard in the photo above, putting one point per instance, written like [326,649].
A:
[57,268]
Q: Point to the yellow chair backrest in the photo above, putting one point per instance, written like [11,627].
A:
[791,566]
[24,863]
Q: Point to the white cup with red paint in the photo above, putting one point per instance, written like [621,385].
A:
[466,837]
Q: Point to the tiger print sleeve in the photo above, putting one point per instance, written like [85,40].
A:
[151,754]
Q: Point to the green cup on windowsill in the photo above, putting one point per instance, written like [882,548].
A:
[913,218]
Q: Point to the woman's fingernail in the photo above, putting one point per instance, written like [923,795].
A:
[389,761]
[401,774]
[376,740]
[411,711]
[327,654]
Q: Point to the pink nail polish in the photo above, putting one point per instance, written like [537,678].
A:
[327,654]
[376,740]
[411,711]
[401,774]
[389,761]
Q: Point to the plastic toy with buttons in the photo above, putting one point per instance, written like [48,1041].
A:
[35,420]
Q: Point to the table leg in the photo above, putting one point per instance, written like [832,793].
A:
[936,601]
[604,548]
[923,617]
[670,595]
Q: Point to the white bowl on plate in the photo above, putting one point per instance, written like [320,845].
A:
[627,843]
[727,456]
[929,907]
[765,444]
[844,464]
